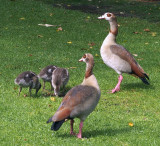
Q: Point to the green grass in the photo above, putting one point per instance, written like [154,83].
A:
[27,46]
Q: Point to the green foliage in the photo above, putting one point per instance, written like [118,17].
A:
[27,46]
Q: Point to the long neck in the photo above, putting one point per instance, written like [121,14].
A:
[89,68]
[113,27]
[90,79]
[111,37]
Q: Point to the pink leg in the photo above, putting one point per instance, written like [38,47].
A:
[79,135]
[71,131]
[117,88]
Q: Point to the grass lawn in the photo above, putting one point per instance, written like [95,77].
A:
[130,117]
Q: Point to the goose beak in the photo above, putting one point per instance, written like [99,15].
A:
[101,17]
[81,60]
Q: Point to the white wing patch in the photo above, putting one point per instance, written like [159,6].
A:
[27,75]
[50,70]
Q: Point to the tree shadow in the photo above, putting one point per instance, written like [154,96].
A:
[148,10]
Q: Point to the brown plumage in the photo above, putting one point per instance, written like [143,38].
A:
[80,101]
[124,54]
[117,57]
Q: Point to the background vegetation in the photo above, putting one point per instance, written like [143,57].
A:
[130,117]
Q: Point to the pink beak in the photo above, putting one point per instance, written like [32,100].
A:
[81,60]
[101,17]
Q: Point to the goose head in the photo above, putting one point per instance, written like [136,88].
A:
[108,16]
[87,58]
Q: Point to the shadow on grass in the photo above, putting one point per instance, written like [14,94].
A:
[106,132]
[97,133]
[148,10]
[49,93]
[133,86]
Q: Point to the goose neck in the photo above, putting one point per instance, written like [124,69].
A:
[89,69]
[113,27]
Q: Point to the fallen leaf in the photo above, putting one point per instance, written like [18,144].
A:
[30,55]
[22,18]
[153,34]
[59,29]
[73,67]
[25,95]
[135,55]
[147,30]
[122,13]
[40,36]
[53,99]
[51,14]
[48,25]
[146,43]
[91,44]
[96,55]
[136,32]
[130,124]
[15,88]
[69,42]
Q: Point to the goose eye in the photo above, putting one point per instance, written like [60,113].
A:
[109,15]
[84,56]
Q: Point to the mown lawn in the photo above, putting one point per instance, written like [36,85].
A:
[130,117]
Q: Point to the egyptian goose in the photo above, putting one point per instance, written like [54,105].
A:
[117,57]
[46,74]
[28,79]
[80,101]
[60,77]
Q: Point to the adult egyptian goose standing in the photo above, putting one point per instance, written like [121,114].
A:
[46,74]
[28,79]
[80,101]
[117,57]
[60,77]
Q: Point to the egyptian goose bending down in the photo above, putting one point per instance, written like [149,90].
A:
[80,101]
[28,79]
[46,74]
[117,57]
[60,77]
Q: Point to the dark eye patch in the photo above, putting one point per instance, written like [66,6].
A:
[109,15]
[84,56]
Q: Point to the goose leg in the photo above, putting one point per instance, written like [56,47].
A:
[51,86]
[20,89]
[43,85]
[117,88]
[79,135]
[30,91]
[71,131]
